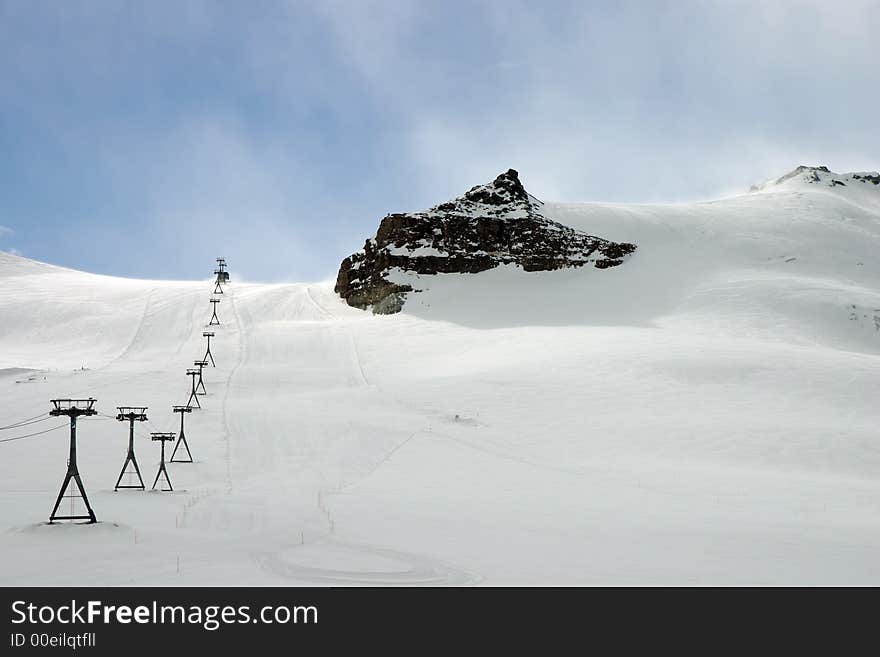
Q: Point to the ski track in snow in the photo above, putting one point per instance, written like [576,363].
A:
[354,350]
[403,569]
[137,331]
[240,358]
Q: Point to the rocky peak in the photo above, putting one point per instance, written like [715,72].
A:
[492,224]
[503,197]
[506,188]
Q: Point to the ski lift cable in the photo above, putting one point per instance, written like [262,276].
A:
[31,435]
[29,420]
[24,424]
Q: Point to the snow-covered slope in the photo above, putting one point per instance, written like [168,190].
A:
[704,414]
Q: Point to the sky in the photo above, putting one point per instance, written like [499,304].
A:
[145,138]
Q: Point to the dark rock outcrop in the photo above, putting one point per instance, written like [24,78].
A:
[867,177]
[493,224]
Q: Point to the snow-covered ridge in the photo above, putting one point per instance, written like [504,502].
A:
[820,175]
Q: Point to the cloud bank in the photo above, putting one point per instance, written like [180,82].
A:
[145,139]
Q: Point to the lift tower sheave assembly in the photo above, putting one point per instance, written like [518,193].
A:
[131,414]
[193,396]
[181,438]
[208,354]
[73,408]
[200,387]
[163,437]
[215,321]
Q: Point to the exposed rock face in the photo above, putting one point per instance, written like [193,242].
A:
[492,224]
[867,177]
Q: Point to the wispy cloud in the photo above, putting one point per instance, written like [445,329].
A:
[280,137]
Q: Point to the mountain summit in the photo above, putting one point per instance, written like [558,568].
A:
[503,196]
[489,225]
[819,175]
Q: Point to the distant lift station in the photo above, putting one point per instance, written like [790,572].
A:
[73,408]
[131,414]
[222,275]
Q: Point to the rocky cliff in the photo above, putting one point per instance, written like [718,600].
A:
[492,224]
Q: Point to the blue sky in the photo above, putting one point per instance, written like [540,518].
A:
[144,138]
